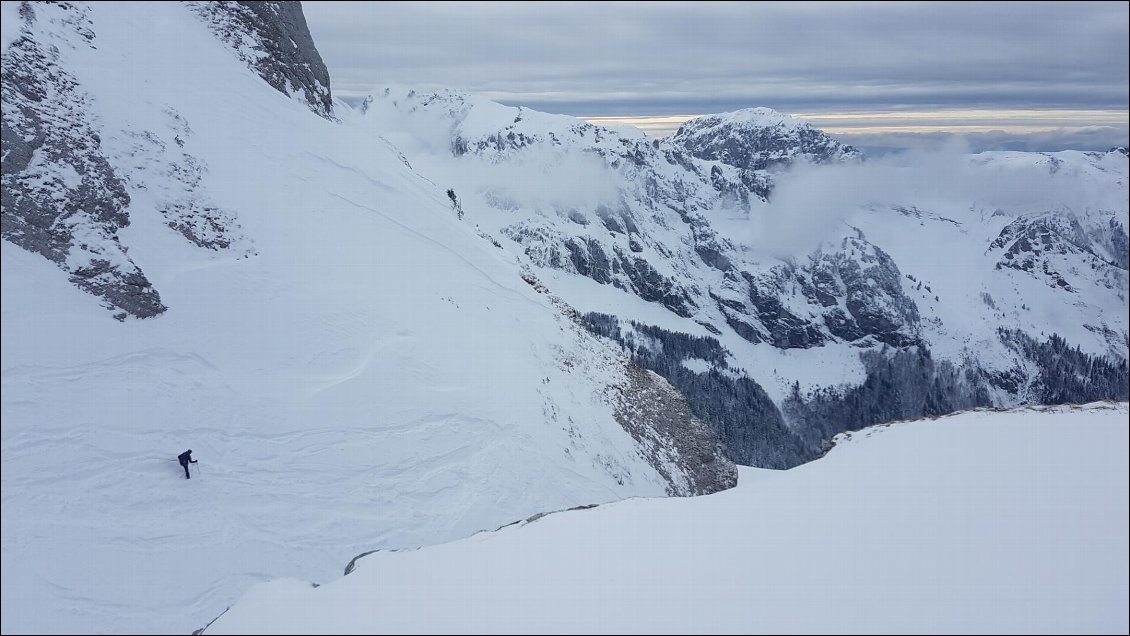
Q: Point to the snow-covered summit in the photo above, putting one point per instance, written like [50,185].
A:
[759,139]
[746,118]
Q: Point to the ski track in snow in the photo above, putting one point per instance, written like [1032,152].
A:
[499,287]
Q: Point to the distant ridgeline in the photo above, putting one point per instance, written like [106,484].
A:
[872,322]
[903,304]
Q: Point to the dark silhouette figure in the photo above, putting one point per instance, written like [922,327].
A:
[186,459]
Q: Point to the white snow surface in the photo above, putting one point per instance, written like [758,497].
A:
[979,522]
[371,373]
[743,120]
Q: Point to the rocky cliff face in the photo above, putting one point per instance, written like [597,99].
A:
[62,197]
[670,435]
[680,446]
[273,40]
[69,173]
[759,142]
[847,294]
[1053,248]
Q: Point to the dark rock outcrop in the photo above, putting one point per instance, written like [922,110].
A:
[283,53]
[1031,245]
[61,197]
[849,294]
[67,178]
[680,446]
[744,417]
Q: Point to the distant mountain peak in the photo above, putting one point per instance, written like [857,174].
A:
[759,139]
[757,117]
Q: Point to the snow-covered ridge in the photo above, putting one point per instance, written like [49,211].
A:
[354,366]
[977,522]
[451,120]
[759,139]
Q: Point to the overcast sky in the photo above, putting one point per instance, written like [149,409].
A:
[648,59]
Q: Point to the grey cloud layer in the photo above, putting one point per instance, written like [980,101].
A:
[1097,138]
[634,58]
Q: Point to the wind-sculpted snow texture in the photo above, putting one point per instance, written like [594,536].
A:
[354,367]
[820,273]
[980,522]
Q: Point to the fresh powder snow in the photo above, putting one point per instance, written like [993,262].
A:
[979,522]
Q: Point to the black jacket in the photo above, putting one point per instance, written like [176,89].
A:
[186,457]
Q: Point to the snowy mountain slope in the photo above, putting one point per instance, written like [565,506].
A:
[982,522]
[353,366]
[817,278]
[363,321]
[61,197]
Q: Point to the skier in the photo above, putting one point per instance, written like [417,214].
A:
[186,459]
